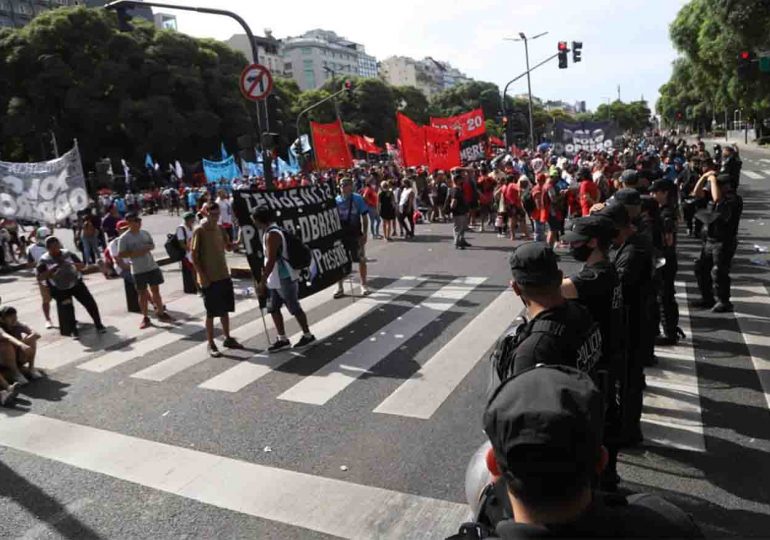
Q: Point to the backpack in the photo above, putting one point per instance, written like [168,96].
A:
[297,254]
[176,252]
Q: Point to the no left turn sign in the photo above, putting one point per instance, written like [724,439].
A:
[256,82]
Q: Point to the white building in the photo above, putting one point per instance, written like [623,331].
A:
[269,50]
[429,75]
[165,21]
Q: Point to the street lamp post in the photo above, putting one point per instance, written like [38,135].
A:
[526,40]
[263,120]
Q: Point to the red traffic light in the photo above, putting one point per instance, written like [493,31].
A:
[745,55]
[348,85]
[563,46]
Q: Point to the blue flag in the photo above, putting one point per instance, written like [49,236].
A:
[225,155]
[148,162]
[217,170]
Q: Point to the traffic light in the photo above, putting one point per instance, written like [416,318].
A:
[349,88]
[563,54]
[577,47]
[746,64]
[124,18]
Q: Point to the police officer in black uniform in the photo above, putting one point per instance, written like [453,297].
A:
[558,330]
[720,240]
[597,286]
[731,165]
[633,263]
[665,194]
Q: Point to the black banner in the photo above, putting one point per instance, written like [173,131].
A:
[311,214]
[473,149]
[590,136]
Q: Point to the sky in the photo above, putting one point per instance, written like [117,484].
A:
[625,42]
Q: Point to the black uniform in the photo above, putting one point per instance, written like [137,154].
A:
[669,309]
[720,240]
[633,262]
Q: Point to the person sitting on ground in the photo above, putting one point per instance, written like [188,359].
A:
[21,364]
[545,426]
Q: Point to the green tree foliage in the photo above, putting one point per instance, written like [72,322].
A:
[710,34]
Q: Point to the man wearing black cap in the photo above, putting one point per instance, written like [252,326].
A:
[664,193]
[545,426]
[633,263]
[558,330]
[598,288]
[720,240]
[731,165]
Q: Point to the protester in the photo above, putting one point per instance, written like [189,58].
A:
[34,253]
[109,223]
[24,340]
[279,282]
[61,270]
[545,426]
[406,207]
[226,213]
[184,234]
[137,245]
[207,247]
[353,213]
[387,210]
[372,202]
[459,209]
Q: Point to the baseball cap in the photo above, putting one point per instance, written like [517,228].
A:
[122,224]
[661,185]
[629,177]
[628,197]
[188,215]
[535,263]
[593,226]
[545,421]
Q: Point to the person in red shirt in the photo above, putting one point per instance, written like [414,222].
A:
[542,208]
[486,197]
[514,209]
[588,191]
[371,199]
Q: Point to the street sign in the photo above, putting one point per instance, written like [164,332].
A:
[256,82]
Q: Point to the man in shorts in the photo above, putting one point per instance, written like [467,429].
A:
[354,217]
[137,245]
[209,242]
[34,252]
[279,282]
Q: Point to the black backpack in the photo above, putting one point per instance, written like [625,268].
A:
[176,252]
[297,254]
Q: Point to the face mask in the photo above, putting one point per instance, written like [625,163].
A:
[581,253]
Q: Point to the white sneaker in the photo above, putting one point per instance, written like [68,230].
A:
[48,325]
[366,291]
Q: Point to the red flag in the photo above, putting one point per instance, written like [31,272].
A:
[443,148]
[331,149]
[412,136]
[370,147]
[467,125]
[494,141]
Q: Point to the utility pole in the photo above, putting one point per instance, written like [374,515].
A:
[618,92]
[526,40]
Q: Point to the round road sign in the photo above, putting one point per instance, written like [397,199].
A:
[256,82]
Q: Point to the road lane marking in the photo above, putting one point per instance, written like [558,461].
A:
[754,329]
[326,505]
[424,392]
[753,175]
[245,373]
[672,385]
[332,378]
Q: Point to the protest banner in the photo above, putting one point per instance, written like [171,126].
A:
[571,138]
[443,148]
[46,191]
[311,214]
[468,125]
[218,170]
[412,142]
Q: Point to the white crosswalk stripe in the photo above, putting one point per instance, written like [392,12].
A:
[245,373]
[753,175]
[335,376]
[672,401]
[755,333]
[423,393]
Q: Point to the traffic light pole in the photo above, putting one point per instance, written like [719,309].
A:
[529,91]
[263,119]
[505,92]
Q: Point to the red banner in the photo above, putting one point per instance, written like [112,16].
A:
[494,141]
[443,148]
[412,137]
[467,125]
[331,148]
[370,147]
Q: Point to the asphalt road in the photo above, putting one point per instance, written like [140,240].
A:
[366,435]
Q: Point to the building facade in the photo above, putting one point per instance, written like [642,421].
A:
[165,21]
[429,75]
[316,56]
[270,51]
[17,13]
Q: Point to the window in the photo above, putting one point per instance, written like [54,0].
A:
[307,63]
[306,51]
[309,78]
[287,66]
[24,9]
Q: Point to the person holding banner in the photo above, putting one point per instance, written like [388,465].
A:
[354,217]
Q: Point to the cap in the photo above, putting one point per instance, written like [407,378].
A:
[188,215]
[593,226]
[628,197]
[617,213]
[546,420]
[662,185]
[535,263]
[629,177]
[122,224]
[43,232]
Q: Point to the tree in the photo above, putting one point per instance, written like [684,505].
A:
[465,97]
